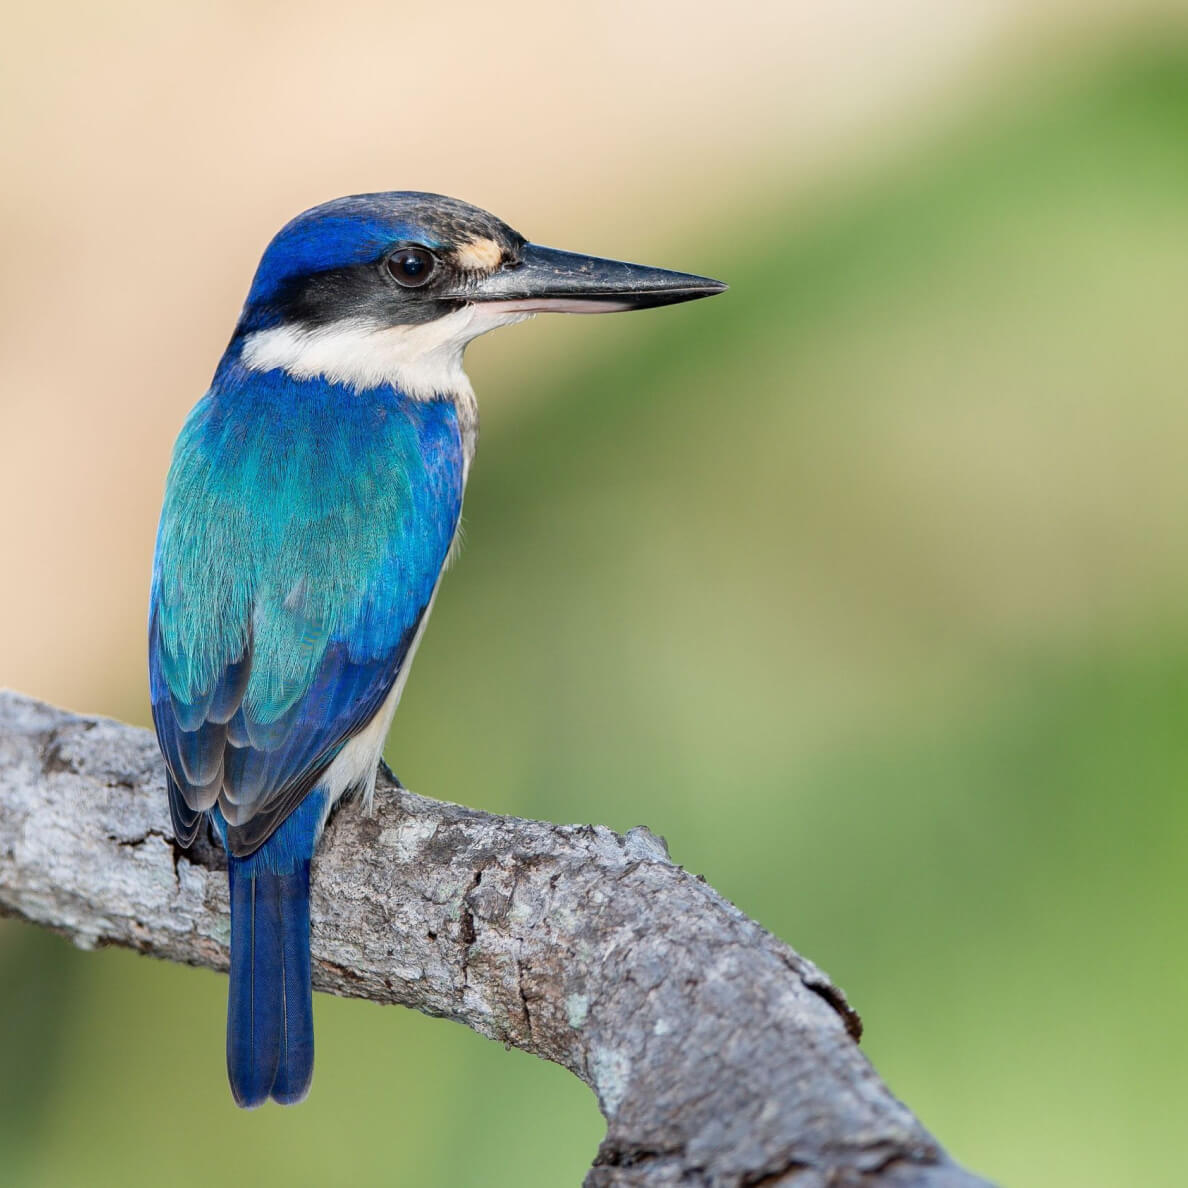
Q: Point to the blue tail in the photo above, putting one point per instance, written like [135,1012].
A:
[270,1004]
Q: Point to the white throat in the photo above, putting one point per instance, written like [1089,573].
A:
[423,361]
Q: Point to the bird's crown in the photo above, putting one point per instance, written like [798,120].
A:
[329,261]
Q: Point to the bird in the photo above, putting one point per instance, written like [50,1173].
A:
[312,503]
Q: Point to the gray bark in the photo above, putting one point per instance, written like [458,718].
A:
[718,1055]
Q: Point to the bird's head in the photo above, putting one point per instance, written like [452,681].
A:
[389,288]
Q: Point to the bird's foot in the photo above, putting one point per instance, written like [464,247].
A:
[391,775]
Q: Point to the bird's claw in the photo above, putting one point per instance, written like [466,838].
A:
[391,775]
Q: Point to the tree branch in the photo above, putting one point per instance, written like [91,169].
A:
[719,1056]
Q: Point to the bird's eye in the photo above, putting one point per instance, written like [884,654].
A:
[411,267]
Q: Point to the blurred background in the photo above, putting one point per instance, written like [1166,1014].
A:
[865,584]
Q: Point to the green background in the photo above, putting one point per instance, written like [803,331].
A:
[866,585]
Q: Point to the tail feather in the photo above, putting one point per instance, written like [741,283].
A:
[269,1004]
[295,1067]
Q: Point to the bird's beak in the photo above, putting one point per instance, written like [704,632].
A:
[548,280]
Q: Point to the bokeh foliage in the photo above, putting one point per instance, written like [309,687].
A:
[866,585]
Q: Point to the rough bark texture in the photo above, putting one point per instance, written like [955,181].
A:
[719,1056]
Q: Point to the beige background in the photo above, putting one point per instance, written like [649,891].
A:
[149,152]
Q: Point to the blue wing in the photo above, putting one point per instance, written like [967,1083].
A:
[302,536]
[258,772]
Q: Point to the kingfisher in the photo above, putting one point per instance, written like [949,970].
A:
[311,506]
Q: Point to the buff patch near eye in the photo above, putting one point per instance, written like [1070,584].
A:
[478,255]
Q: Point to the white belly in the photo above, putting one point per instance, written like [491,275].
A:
[355,765]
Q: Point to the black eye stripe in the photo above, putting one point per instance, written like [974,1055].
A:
[411,267]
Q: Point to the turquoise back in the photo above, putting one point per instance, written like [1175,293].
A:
[302,534]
